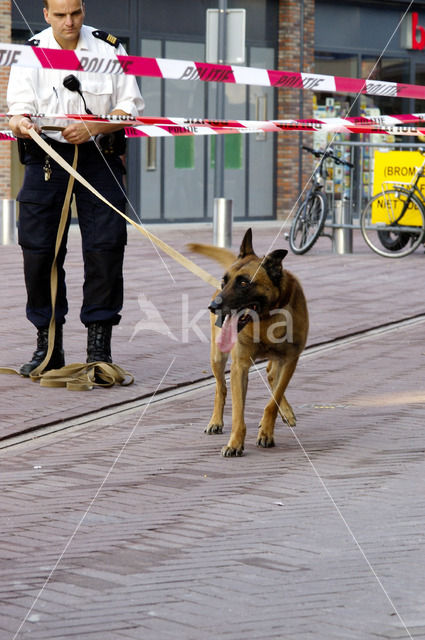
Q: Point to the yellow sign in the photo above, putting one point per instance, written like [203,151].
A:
[393,169]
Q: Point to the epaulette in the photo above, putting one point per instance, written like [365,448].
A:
[33,43]
[107,37]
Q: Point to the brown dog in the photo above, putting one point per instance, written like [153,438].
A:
[262,312]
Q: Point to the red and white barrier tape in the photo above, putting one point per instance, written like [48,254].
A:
[269,125]
[26,56]
[160,126]
[160,131]
[156,131]
[6,135]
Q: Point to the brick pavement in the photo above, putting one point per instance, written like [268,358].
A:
[345,294]
[162,538]
[148,533]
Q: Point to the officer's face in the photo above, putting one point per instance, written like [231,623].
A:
[66,18]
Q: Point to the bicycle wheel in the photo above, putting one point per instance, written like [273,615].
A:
[308,223]
[386,230]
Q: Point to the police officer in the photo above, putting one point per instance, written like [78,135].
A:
[41,197]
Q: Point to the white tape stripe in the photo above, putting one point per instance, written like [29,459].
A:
[391,120]
[248,75]
[317,82]
[155,131]
[206,131]
[375,87]
[17,54]
[177,69]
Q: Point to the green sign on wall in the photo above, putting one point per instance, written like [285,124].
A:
[184,152]
[232,151]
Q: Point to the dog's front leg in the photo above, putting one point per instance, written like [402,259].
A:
[279,381]
[238,383]
[218,366]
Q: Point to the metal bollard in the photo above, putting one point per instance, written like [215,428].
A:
[342,239]
[8,222]
[222,223]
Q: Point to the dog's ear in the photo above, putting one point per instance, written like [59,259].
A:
[246,246]
[273,264]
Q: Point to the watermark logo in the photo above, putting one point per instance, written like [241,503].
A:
[152,320]
[192,323]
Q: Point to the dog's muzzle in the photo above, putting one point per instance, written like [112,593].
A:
[215,307]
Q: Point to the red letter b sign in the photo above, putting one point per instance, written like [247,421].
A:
[413,34]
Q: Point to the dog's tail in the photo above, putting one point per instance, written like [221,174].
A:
[219,254]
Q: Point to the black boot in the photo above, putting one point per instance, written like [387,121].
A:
[99,342]
[57,359]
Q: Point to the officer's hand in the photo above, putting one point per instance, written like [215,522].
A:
[20,126]
[77,133]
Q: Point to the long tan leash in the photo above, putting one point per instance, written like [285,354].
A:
[54,271]
[38,373]
[77,376]
[173,253]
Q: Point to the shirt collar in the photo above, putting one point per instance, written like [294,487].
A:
[83,44]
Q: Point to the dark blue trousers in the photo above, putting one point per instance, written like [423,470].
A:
[103,232]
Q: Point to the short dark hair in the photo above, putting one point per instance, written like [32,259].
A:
[46,4]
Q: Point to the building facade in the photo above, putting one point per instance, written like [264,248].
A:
[173,179]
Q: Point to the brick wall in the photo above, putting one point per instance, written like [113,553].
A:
[291,104]
[5,147]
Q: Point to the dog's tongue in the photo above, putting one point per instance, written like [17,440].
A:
[228,335]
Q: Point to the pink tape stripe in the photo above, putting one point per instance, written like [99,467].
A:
[286,79]
[57,59]
[215,72]
[408,118]
[138,66]
[350,85]
[411,91]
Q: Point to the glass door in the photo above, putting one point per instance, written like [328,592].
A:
[177,173]
[184,155]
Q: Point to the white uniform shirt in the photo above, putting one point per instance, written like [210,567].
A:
[32,91]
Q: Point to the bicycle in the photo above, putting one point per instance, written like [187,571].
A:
[309,220]
[393,221]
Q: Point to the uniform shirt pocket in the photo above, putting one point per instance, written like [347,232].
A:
[98,91]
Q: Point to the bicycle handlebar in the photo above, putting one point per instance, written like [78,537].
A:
[328,154]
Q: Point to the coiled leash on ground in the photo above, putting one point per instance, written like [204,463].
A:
[78,376]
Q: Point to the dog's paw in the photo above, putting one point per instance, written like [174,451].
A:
[290,421]
[288,417]
[264,440]
[231,452]
[214,428]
